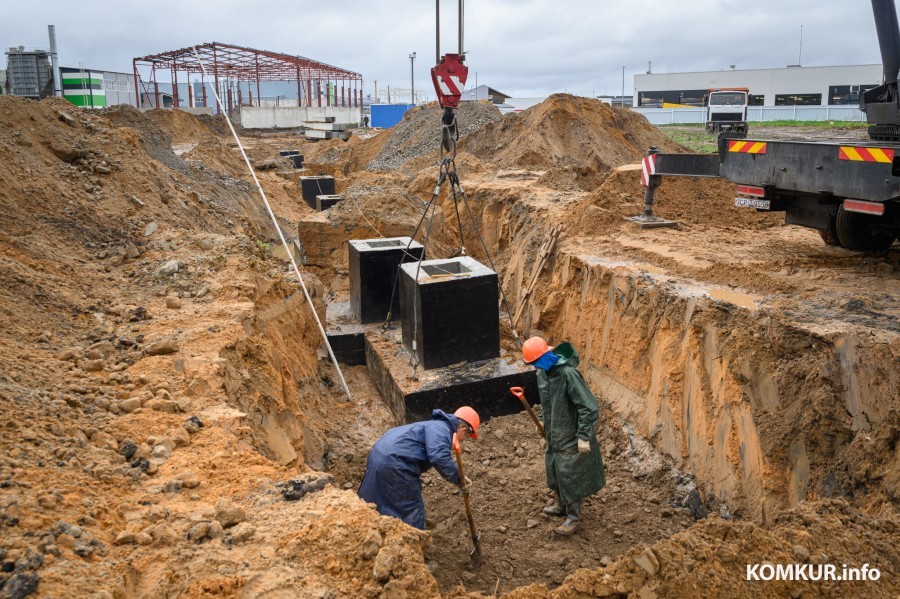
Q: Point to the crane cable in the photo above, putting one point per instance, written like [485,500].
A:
[284,243]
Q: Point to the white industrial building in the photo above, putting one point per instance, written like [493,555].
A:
[789,86]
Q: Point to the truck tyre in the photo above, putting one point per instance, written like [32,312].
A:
[856,232]
[829,235]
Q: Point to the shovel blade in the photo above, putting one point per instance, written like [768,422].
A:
[475,555]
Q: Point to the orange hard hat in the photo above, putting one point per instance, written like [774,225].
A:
[534,348]
[471,418]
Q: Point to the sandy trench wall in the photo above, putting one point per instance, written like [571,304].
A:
[762,413]
[271,376]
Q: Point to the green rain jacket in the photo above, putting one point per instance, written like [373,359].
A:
[570,413]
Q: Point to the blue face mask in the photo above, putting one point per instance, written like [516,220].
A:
[546,362]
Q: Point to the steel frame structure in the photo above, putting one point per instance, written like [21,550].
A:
[226,63]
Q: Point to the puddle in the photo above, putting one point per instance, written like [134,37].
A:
[734,297]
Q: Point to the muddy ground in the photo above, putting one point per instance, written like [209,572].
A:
[161,378]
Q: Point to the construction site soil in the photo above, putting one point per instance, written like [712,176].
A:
[172,425]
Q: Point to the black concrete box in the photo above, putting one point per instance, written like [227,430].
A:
[320,185]
[345,334]
[297,159]
[326,202]
[289,153]
[373,268]
[450,311]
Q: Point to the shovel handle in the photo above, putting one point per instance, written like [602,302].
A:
[520,393]
[476,538]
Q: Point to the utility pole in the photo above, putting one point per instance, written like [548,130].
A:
[412,77]
[623,88]
[800,56]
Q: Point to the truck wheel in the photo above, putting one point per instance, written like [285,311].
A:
[829,235]
[857,232]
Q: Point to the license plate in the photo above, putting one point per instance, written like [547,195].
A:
[752,203]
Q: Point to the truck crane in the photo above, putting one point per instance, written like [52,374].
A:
[847,190]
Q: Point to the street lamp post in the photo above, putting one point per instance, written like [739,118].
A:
[412,77]
[622,102]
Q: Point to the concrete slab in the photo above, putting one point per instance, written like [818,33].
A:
[484,384]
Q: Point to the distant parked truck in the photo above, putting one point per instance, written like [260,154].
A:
[727,110]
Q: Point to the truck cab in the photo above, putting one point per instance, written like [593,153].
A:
[727,110]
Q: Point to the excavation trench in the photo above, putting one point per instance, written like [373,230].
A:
[701,390]
[735,402]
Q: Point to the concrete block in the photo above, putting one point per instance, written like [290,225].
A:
[289,152]
[345,334]
[449,311]
[324,202]
[310,187]
[373,269]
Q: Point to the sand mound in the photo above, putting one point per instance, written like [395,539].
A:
[419,133]
[568,131]
[693,201]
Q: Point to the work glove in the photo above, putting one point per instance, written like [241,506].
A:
[584,446]
[468,481]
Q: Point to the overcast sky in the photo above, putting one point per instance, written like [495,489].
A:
[521,47]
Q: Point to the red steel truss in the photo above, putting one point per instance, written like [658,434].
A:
[318,83]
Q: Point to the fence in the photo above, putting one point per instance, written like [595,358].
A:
[685,116]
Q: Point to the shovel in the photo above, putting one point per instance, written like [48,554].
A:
[476,538]
[520,393]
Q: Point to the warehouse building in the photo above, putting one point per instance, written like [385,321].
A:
[789,86]
[90,88]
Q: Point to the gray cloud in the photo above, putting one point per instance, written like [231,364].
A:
[521,47]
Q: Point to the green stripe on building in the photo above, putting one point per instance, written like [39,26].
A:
[82,80]
[99,101]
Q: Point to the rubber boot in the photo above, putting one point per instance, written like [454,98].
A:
[573,519]
[557,509]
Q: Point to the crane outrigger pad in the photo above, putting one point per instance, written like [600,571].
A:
[652,222]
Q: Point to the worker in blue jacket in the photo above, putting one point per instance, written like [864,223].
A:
[398,459]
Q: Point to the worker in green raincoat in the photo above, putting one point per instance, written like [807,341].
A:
[570,412]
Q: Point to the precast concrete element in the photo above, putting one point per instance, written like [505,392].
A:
[345,334]
[295,156]
[483,385]
[319,185]
[324,202]
[449,313]
[292,117]
[373,269]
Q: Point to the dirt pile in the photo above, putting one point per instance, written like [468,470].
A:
[419,133]
[712,559]
[706,202]
[571,132]
[154,360]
